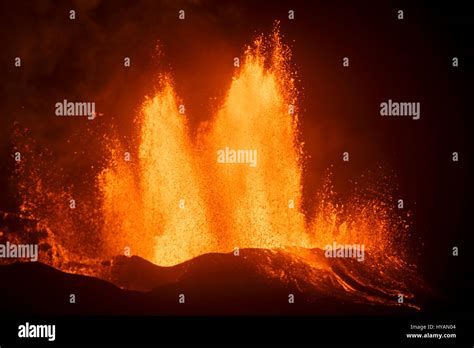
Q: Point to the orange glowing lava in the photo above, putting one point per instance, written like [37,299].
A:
[186,205]
[154,205]
[170,197]
[176,200]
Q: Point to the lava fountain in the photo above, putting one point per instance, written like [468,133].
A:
[172,197]
[187,204]
[262,204]
[178,201]
[156,208]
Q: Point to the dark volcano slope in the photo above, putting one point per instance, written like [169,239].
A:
[258,282]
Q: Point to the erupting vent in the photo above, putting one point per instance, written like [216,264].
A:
[238,184]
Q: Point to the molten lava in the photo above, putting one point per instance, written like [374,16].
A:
[176,202]
[185,205]
[156,208]
[172,198]
[261,206]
